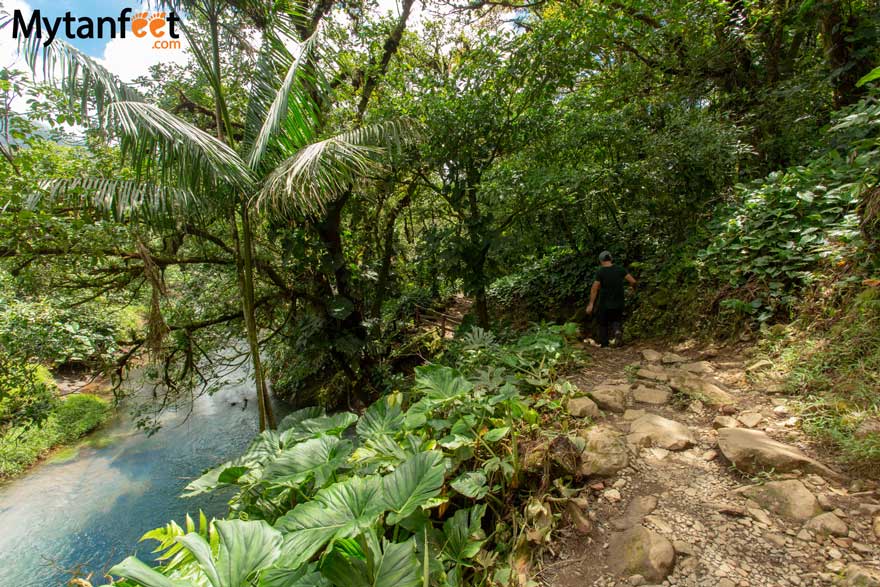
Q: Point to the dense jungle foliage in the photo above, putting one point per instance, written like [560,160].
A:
[321,177]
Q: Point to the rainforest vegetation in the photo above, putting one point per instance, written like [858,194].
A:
[324,183]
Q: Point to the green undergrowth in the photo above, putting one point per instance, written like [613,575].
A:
[70,418]
[830,360]
[427,487]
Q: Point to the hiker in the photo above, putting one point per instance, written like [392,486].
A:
[608,287]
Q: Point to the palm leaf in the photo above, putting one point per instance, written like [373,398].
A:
[165,146]
[322,171]
[290,118]
[79,76]
[123,199]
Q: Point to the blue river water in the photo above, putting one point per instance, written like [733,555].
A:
[87,509]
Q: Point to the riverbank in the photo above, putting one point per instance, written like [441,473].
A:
[73,416]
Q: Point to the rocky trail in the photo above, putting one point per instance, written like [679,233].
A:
[697,478]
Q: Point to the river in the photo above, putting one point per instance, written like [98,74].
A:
[89,506]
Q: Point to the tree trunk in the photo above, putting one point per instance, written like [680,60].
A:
[246,286]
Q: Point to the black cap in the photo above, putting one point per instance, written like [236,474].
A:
[604,256]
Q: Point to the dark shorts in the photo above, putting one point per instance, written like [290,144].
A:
[610,325]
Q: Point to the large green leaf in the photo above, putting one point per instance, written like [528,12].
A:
[245,548]
[298,416]
[301,577]
[391,565]
[142,574]
[316,458]
[412,484]
[464,534]
[340,511]
[312,427]
[442,384]
[381,418]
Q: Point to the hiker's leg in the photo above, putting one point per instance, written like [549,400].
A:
[604,324]
[617,326]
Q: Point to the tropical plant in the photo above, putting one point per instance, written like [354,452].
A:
[278,163]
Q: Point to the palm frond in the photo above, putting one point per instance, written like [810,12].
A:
[80,77]
[290,118]
[122,199]
[323,170]
[162,145]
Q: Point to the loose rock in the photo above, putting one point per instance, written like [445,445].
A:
[640,551]
[654,430]
[651,355]
[828,523]
[671,358]
[604,453]
[859,576]
[611,397]
[725,422]
[789,498]
[650,395]
[750,419]
[583,407]
[753,451]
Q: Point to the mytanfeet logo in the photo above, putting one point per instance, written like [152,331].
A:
[158,27]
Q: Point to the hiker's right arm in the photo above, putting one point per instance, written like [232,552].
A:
[594,293]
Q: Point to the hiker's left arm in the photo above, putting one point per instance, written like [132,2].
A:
[632,280]
[594,293]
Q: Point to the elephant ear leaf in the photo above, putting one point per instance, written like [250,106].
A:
[341,510]
[392,565]
[134,570]
[412,485]
[245,547]
[316,458]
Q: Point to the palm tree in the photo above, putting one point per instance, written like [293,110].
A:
[278,164]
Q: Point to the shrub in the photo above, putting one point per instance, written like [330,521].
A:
[27,393]
[78,414]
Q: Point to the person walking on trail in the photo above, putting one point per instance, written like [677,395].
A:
[608,286]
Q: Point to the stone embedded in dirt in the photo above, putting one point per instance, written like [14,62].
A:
[760,516]
[611,397]
[709,455]
[859,576]
[867,427]
[604,453]
[657,431]
[612,495]
[757,366]
[702,389]
[790,499]
[583,407]
[750,419]
[876,526]
[781,411]
[653,373]
[636,580]
[636,510]
[633,414]
[752,451]
[650,395]
[698,367]
[640,551]
[725,422]
[672,358]
[651,356]
[828,524]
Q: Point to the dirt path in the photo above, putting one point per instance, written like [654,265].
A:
[678,514]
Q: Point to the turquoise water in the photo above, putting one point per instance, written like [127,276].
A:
[88,508]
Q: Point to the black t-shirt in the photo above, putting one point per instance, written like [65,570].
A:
[612,280]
